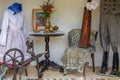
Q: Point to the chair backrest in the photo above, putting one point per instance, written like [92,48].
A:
[74,37]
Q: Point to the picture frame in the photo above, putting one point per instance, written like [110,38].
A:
[38,19]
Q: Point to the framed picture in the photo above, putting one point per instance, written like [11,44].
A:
[38,19]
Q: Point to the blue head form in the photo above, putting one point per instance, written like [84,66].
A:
[16,8]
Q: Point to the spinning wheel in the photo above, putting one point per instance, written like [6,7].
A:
[13,58]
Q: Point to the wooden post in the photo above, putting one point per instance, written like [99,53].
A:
[86,29]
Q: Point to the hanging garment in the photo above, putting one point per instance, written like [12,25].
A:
[13,33]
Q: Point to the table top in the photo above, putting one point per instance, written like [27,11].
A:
[46,34]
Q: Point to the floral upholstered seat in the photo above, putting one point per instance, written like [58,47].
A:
[74,57]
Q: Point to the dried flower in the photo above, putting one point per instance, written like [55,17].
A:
[47,8]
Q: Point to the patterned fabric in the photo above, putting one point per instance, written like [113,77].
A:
[74,56]
[79,78]
[110,6]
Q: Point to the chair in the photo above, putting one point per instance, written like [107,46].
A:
[74,57]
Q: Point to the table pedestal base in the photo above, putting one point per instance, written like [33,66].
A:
[44,65]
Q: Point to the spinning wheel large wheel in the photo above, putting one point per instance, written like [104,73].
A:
[13,58]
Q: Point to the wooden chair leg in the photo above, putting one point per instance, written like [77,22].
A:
[26,73]
[84,70]
[93,65]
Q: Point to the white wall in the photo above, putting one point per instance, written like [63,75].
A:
[67,15]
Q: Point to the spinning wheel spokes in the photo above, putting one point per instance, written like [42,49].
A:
[14,53]
[13,58]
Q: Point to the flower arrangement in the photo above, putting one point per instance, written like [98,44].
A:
[47,8]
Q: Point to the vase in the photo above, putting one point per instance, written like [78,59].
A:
[47,24]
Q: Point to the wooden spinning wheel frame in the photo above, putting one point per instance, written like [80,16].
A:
[16,57]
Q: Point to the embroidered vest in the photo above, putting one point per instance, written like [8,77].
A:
[110,6]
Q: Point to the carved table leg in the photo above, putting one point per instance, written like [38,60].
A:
[46,63]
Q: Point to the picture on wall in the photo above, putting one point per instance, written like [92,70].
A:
[38,19]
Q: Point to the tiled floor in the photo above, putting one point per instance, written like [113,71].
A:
[52,73]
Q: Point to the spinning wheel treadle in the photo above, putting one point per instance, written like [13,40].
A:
[13,58]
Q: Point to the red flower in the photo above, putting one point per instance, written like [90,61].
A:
[47,7]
